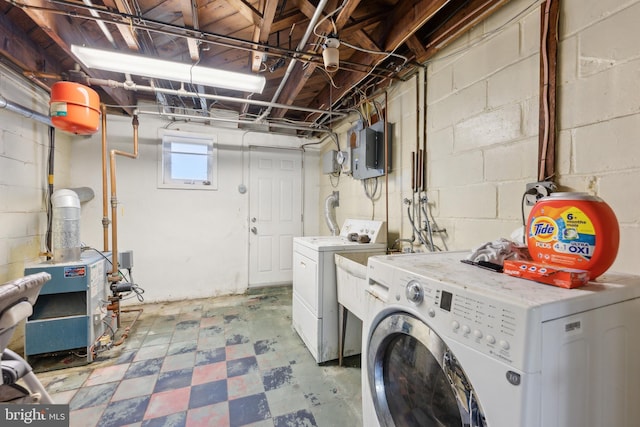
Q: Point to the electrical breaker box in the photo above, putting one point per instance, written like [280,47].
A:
[330,163]
[70,311]
[368,157]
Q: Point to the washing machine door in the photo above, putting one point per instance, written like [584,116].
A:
[415,379]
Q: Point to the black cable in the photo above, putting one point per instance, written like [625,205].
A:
[86,248]
[532,190]
[134,288]
[52,145]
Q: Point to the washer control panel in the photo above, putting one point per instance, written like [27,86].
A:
[492,327]
[374,230]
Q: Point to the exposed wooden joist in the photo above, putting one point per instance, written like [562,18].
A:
[262,32]
[20,50]
[245,9]
[406,19]
[417,48]
[127,32]
[468,16]
[63,33]
[301,73]
[190,19]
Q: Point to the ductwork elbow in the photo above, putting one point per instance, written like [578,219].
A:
[330,204]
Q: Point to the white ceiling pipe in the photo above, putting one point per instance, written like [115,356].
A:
[222,119]
[303,42]
[180,92]
[24,111]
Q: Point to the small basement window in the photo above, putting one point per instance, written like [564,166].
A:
[188,161]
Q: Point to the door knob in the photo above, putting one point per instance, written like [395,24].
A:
[254,230]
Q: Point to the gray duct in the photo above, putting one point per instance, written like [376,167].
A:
[330,204]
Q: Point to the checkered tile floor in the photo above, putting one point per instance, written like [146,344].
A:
[228,361]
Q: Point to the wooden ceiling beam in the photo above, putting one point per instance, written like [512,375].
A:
[406,19]
[409,18]
[128,33]
[60,29]
[302,72]
[190,19]
[23,52]
[469,15]
[246,10]
[262,31]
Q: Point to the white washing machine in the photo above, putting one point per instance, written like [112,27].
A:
[451,344]
[315,301]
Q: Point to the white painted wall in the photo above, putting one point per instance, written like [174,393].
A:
[186,243]
[24,148]
[482,125]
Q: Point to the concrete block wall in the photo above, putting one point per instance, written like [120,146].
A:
[599,113]
[482,125]
[482,131]
[24,149]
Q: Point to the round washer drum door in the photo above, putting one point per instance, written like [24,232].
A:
[415,379]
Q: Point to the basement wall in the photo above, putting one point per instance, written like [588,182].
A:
[186,243]
[24,149]
[482,127]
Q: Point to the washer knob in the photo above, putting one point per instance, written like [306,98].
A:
[504,344]
[414,292]
[431,312]
[477,333]
[466,329]
[491,339]
[455,325]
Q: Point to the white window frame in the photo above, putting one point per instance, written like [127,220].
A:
[164,161]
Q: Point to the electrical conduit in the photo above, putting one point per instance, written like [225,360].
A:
[303,42]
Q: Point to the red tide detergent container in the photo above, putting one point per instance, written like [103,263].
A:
[74,108]
[573,230]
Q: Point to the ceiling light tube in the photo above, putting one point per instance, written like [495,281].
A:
[168,70]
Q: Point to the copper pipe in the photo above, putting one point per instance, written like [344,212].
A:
[386,159]
[115,276]
[105,208]
[128,328]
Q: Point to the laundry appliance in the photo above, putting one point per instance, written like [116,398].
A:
[451,344]
[315,302]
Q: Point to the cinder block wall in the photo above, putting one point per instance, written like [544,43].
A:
[482,125]
[24,148]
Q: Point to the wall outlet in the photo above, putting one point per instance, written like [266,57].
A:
[537,190]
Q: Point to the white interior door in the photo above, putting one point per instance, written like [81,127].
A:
[275,213]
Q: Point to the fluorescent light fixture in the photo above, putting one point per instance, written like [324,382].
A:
[167,70]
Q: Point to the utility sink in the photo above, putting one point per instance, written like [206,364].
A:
[351,279]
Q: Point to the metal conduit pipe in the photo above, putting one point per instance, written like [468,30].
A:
[194,116]
[105,204]
[303,42]
[114,276]
[179,92]
[16,108]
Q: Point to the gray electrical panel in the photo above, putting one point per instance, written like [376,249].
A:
[367,151]
[330,163]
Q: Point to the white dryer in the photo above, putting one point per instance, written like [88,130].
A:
[315,301]
[451,344]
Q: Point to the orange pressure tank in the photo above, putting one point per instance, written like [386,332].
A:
[74,108]
[574,230]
